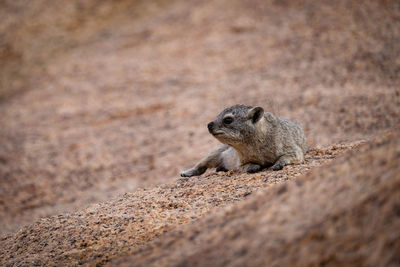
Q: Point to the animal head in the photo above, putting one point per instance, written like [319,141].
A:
[236,124]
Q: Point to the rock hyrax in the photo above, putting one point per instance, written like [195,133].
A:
[252,139]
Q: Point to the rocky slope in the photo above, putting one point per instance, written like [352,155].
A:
[338,213]
[104,103]
[116,95]
[341,214]
[106,230]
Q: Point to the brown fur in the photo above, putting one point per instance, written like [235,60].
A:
[252,140]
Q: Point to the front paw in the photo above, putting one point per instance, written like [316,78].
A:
[195,171]
[221,169]
[253,168]
[278,166]
[188,173]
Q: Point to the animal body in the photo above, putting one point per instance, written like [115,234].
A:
[252,139]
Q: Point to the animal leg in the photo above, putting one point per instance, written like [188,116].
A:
[287,159]
[213,160]
[251,167]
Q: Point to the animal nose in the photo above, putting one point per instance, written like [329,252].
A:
[210,126]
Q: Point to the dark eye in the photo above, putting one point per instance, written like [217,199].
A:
[228,120]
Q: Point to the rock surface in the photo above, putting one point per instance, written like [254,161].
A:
[103,104]
[116,95]
[106,230]
[336,215]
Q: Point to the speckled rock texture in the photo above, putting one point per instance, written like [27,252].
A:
[336,215]
[106,230]
[107,97]
[103,104]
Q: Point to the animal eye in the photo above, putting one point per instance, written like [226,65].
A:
[228,120]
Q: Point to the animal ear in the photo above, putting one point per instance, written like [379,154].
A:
[255,114]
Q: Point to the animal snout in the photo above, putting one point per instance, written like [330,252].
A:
[210,126]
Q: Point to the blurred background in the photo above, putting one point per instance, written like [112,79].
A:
[98,98]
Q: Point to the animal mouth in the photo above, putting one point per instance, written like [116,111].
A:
[217,133]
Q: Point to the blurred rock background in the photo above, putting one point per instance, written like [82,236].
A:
[98,98]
